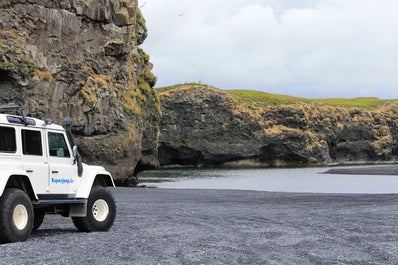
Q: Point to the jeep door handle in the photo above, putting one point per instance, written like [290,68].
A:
[29,171]
[54,171]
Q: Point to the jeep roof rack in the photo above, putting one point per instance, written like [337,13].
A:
[16,107]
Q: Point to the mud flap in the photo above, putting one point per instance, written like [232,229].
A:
[78,210]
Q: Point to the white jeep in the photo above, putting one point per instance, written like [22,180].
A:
[41,173]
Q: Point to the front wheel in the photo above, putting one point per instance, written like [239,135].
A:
[16,218]
[101,212]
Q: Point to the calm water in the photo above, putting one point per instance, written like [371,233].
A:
[283,180]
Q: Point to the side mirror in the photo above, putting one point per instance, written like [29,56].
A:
[78,159]
[74,152]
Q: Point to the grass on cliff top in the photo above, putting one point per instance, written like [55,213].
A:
[266,99]
[259,98]
[180,86]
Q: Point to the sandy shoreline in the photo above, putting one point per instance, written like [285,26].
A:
[366,170]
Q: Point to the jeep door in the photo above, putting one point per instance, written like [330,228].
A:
[34,159]
[63,170]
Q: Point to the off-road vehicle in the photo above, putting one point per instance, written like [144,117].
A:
[41,172]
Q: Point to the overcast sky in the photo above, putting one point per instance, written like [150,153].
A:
[308,48]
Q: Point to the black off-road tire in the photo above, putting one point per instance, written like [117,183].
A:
[101,212]
[16,218]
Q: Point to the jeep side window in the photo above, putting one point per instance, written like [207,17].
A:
[7,140]
[57,145]
[31,142]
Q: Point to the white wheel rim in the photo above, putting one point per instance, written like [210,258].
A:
[20,216]
[100,210]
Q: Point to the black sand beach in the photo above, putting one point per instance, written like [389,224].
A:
[165,226]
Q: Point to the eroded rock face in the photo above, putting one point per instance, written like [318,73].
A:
[203,126]
[81,59]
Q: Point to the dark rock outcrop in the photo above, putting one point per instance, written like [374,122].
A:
[81,59]
[204,126]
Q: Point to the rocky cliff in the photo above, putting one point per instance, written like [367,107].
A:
[81,59]
[205,126]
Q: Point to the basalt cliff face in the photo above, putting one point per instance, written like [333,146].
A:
[81,59]
[204,126]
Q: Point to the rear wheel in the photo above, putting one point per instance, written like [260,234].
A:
[101,212]
[16,219]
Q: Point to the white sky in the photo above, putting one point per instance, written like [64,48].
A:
[308,48]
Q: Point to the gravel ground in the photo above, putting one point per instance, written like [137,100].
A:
[160,226]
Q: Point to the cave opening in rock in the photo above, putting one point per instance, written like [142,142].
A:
[183,156]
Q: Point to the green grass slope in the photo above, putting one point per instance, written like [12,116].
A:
[259,98]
